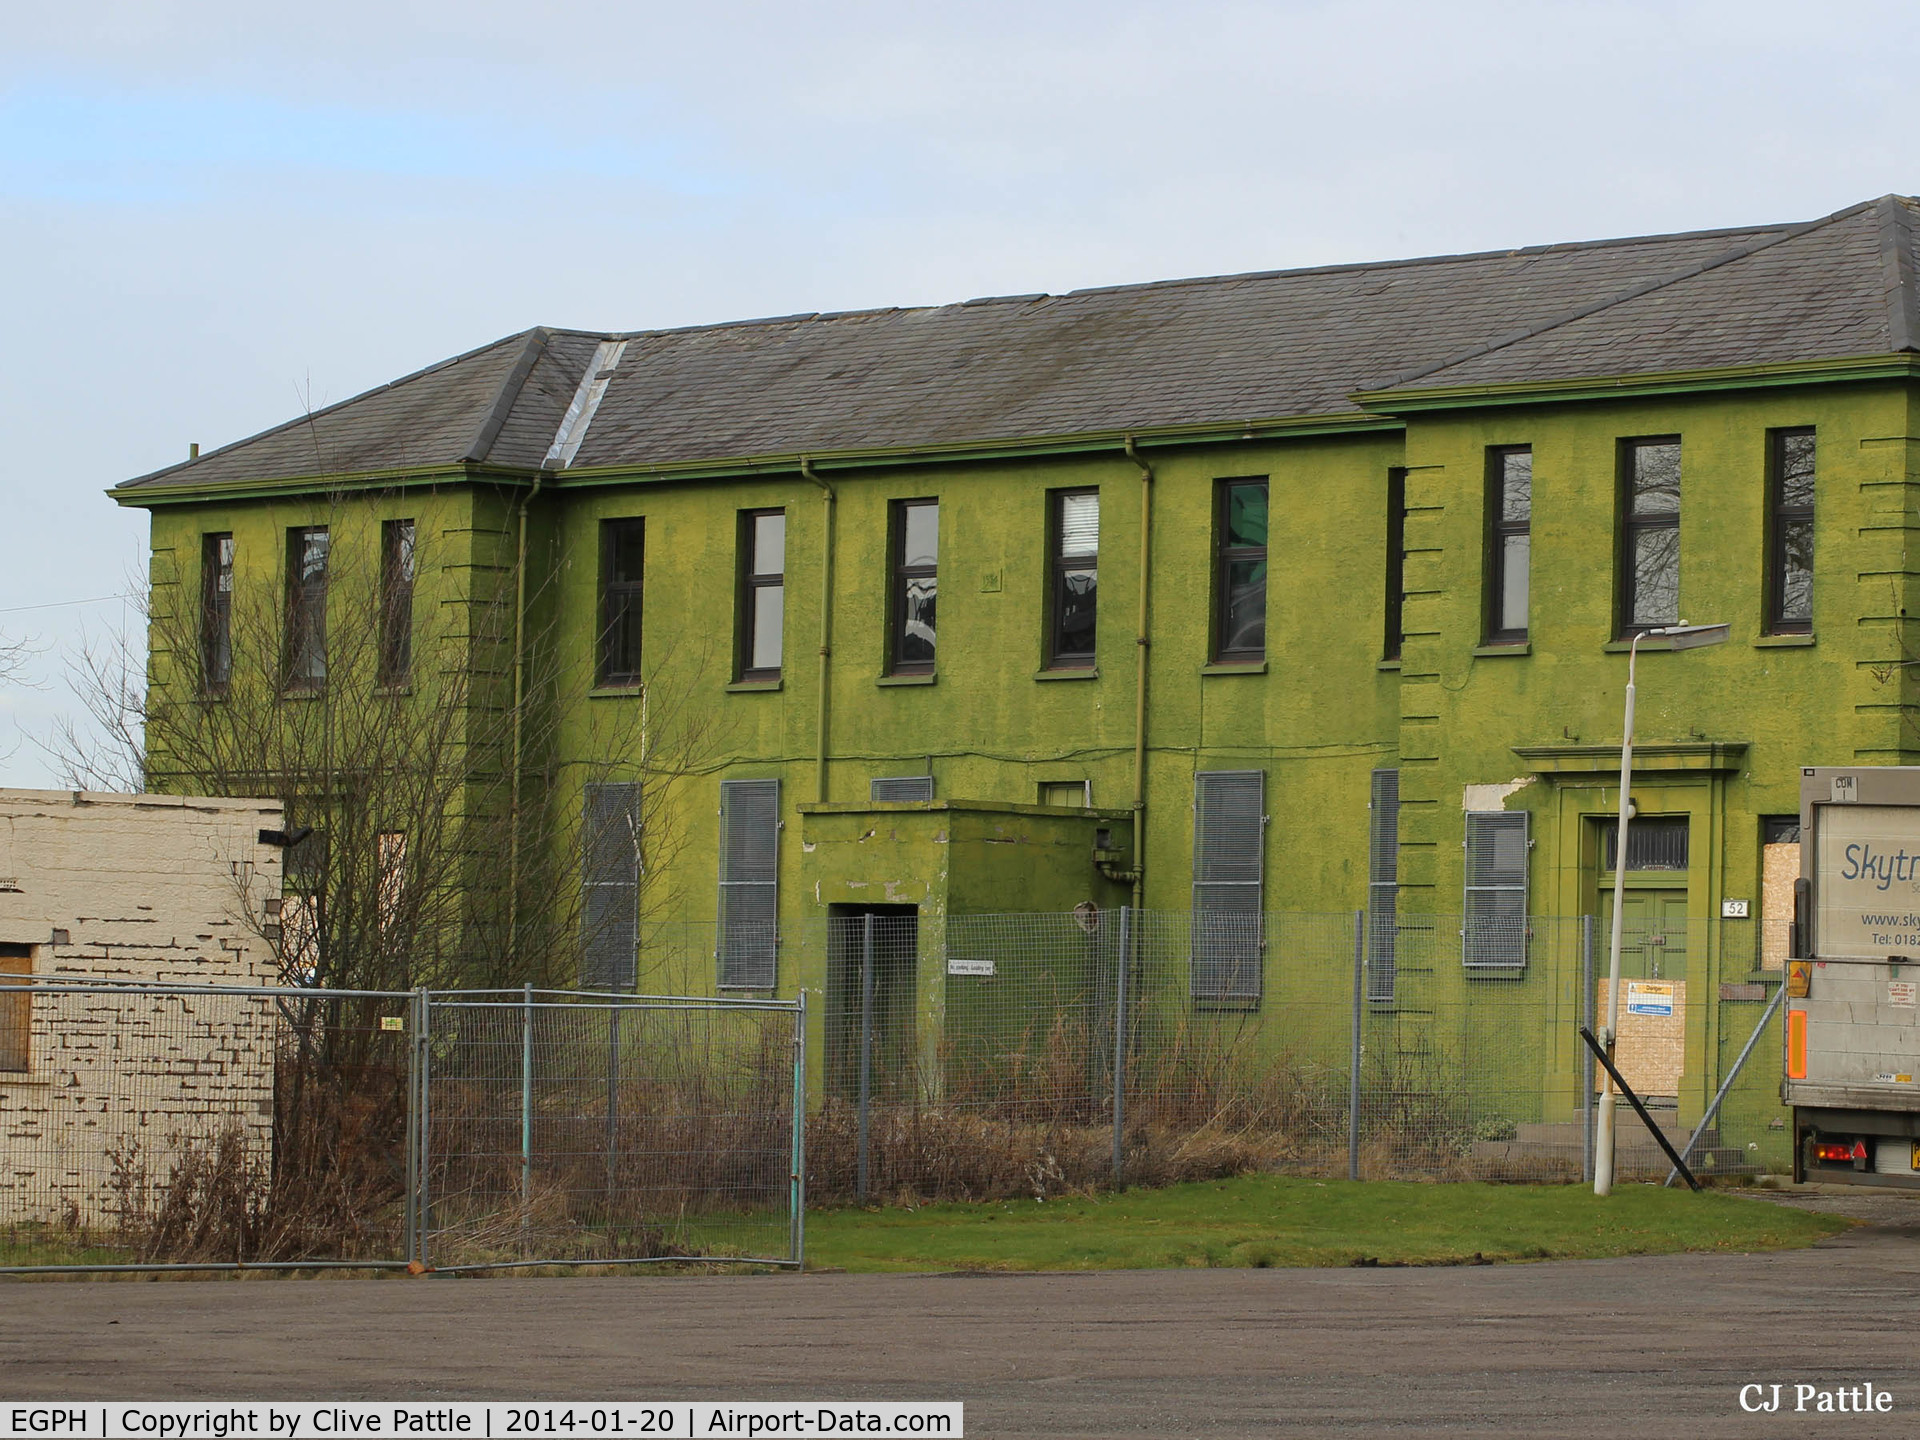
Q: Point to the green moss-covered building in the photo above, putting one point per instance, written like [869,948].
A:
[1305,591]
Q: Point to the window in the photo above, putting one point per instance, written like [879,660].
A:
[622,552]
[1494,929]
[1790,543]
[1074,539]
[763,593]
[1076,794]
[749,883]
[307,607]
[1396,563]
[1383,883]
[916,550]
[16,1009]
[1654,842]
[1240,572]
[1650,534]
[1510,517]
[1229,830]
[1779,869]
[396,601]
[899,789]
[216,613]
[610,884]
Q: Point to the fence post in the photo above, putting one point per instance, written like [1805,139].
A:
[526,1110]
[416,1059]
[866,1049]
[424,1127]
[613,1101]
[797,1186]
[1353,1062]
[1585,1070]
[1120,1046]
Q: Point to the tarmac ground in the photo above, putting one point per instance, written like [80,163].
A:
[1656,1345]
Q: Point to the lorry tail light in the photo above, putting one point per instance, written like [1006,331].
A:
[1834,1150]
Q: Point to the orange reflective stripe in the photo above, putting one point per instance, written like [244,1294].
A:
[1796,1044]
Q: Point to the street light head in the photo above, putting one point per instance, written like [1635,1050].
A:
[1691,637]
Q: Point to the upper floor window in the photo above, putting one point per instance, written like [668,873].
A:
[1396,563]
[306,659]
[763,592]
[1240,572]
[216,613]
[916,551]
[622,551]
[1510,514]
[1649,534]
[396,601]
[1790,545]
[1074,528]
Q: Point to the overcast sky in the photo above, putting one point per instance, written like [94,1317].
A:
[215,214]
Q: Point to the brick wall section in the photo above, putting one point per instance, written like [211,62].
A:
[132,887]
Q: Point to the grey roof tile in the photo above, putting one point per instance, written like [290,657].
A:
[1171,353]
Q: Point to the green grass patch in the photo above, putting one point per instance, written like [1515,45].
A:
[1265,1220]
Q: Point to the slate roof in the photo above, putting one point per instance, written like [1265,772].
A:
[1137,357]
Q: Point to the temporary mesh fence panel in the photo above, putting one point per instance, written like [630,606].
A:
[191,1125]
[156,1126]
[564,1127]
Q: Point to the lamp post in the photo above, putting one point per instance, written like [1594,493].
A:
[1679,637]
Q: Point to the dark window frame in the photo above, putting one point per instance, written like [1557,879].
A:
[1631,526]
[901,576]
[304,665]
[1780,516]
[1396,578]
[1499,531]
[751,583]
[620,602]
[1059,566]
[216,612]
[1225,556]
[399,555]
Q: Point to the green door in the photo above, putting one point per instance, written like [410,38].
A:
[1653,948]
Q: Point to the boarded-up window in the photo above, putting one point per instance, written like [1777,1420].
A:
[1229,825]
[1495,928]
[901,788]
[610,885]
[1779,868]
[16,1009]
[1383,887]
[749,883]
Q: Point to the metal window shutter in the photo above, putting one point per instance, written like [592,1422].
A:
[901,788]
[749,883]
[1229,829]
[610,884]
[1494,933]
[1383,875]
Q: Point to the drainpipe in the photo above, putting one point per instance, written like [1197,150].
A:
[519,707]
[826,629]
[1144,641]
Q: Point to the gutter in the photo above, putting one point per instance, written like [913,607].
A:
[1136,875]
[519,722]
[828,499]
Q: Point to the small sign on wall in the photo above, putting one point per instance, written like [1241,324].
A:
[969,967]
[1734,909]
[1649,997]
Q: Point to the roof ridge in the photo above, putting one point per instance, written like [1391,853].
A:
[510,387]
[1896,264]
[307,417]
[1634,292]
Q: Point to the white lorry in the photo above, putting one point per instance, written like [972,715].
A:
[1852,1033]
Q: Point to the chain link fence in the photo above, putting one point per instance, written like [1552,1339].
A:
[984,1055]
[152,1126]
